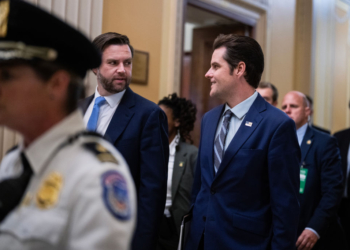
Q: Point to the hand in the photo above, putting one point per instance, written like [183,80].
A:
[306,240]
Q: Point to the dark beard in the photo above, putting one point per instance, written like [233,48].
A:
[108,84]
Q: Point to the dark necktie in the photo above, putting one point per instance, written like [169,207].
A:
[219,144]
[12,190]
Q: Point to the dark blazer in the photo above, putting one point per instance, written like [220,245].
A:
[343,138]
[321,129]
[323,189]
[139,130]
[252,201]
[182,181]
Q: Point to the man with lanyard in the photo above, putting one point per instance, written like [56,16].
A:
[61,187]
[320,180]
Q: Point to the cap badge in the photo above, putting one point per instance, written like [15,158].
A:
[4,14]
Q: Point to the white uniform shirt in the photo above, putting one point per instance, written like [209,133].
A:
[107,110]
[79,217]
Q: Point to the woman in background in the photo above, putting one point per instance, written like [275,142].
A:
[181,114]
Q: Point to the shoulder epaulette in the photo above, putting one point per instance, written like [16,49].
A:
[101,152]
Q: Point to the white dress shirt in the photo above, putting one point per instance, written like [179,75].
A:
[172,152]
[107,110]
[300,134]
[239,111]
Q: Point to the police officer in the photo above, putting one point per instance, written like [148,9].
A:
[61,187]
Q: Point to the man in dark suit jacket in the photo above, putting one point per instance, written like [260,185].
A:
[311,106]
[138,129]
[247,175]
[343,138]
[320,180]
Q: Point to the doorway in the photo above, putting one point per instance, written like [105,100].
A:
[201,27]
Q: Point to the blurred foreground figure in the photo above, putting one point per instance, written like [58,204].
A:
[61,187]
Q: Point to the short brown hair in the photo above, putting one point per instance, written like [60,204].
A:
[243,49]
[265,85]
[104,40]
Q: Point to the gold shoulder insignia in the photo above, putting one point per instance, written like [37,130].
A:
[49,191]
[101,152]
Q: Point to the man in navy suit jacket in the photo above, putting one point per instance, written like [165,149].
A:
[248,200]
[138,128]
[320,180]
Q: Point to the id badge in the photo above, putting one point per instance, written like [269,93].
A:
[303,175]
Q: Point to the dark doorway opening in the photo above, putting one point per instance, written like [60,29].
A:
[201,27]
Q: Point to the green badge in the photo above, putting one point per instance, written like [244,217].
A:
[303,175]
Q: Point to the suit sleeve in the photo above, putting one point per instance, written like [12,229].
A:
[154,147]
[197,172]
[331,187]
[283,170]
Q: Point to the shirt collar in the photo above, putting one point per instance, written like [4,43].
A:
[112,100]
[174,143]
[241,109]
[301,132]
[41,150]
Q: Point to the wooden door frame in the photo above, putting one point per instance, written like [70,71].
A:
[174,15]
[247,12]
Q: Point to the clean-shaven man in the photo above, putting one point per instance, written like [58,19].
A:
[247,175]
[320,180]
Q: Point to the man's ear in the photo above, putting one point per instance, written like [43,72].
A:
[240,69]
[307,111]
[94,70]
[57,85]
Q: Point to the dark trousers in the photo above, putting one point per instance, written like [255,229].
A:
[168,236]
[201,243]
[344,215]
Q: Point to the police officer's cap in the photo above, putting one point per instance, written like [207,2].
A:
[30,33]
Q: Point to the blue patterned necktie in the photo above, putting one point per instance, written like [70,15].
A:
[219,143]
[92,123]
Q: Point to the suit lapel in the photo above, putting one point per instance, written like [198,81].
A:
[306,143]
[84,104]
[121,116]
[244,132]
[178,169]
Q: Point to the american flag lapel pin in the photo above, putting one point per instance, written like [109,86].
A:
[248,124]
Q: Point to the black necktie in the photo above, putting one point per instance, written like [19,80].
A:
[12,190]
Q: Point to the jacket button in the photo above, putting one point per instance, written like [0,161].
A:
[212,191]
[204,218]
